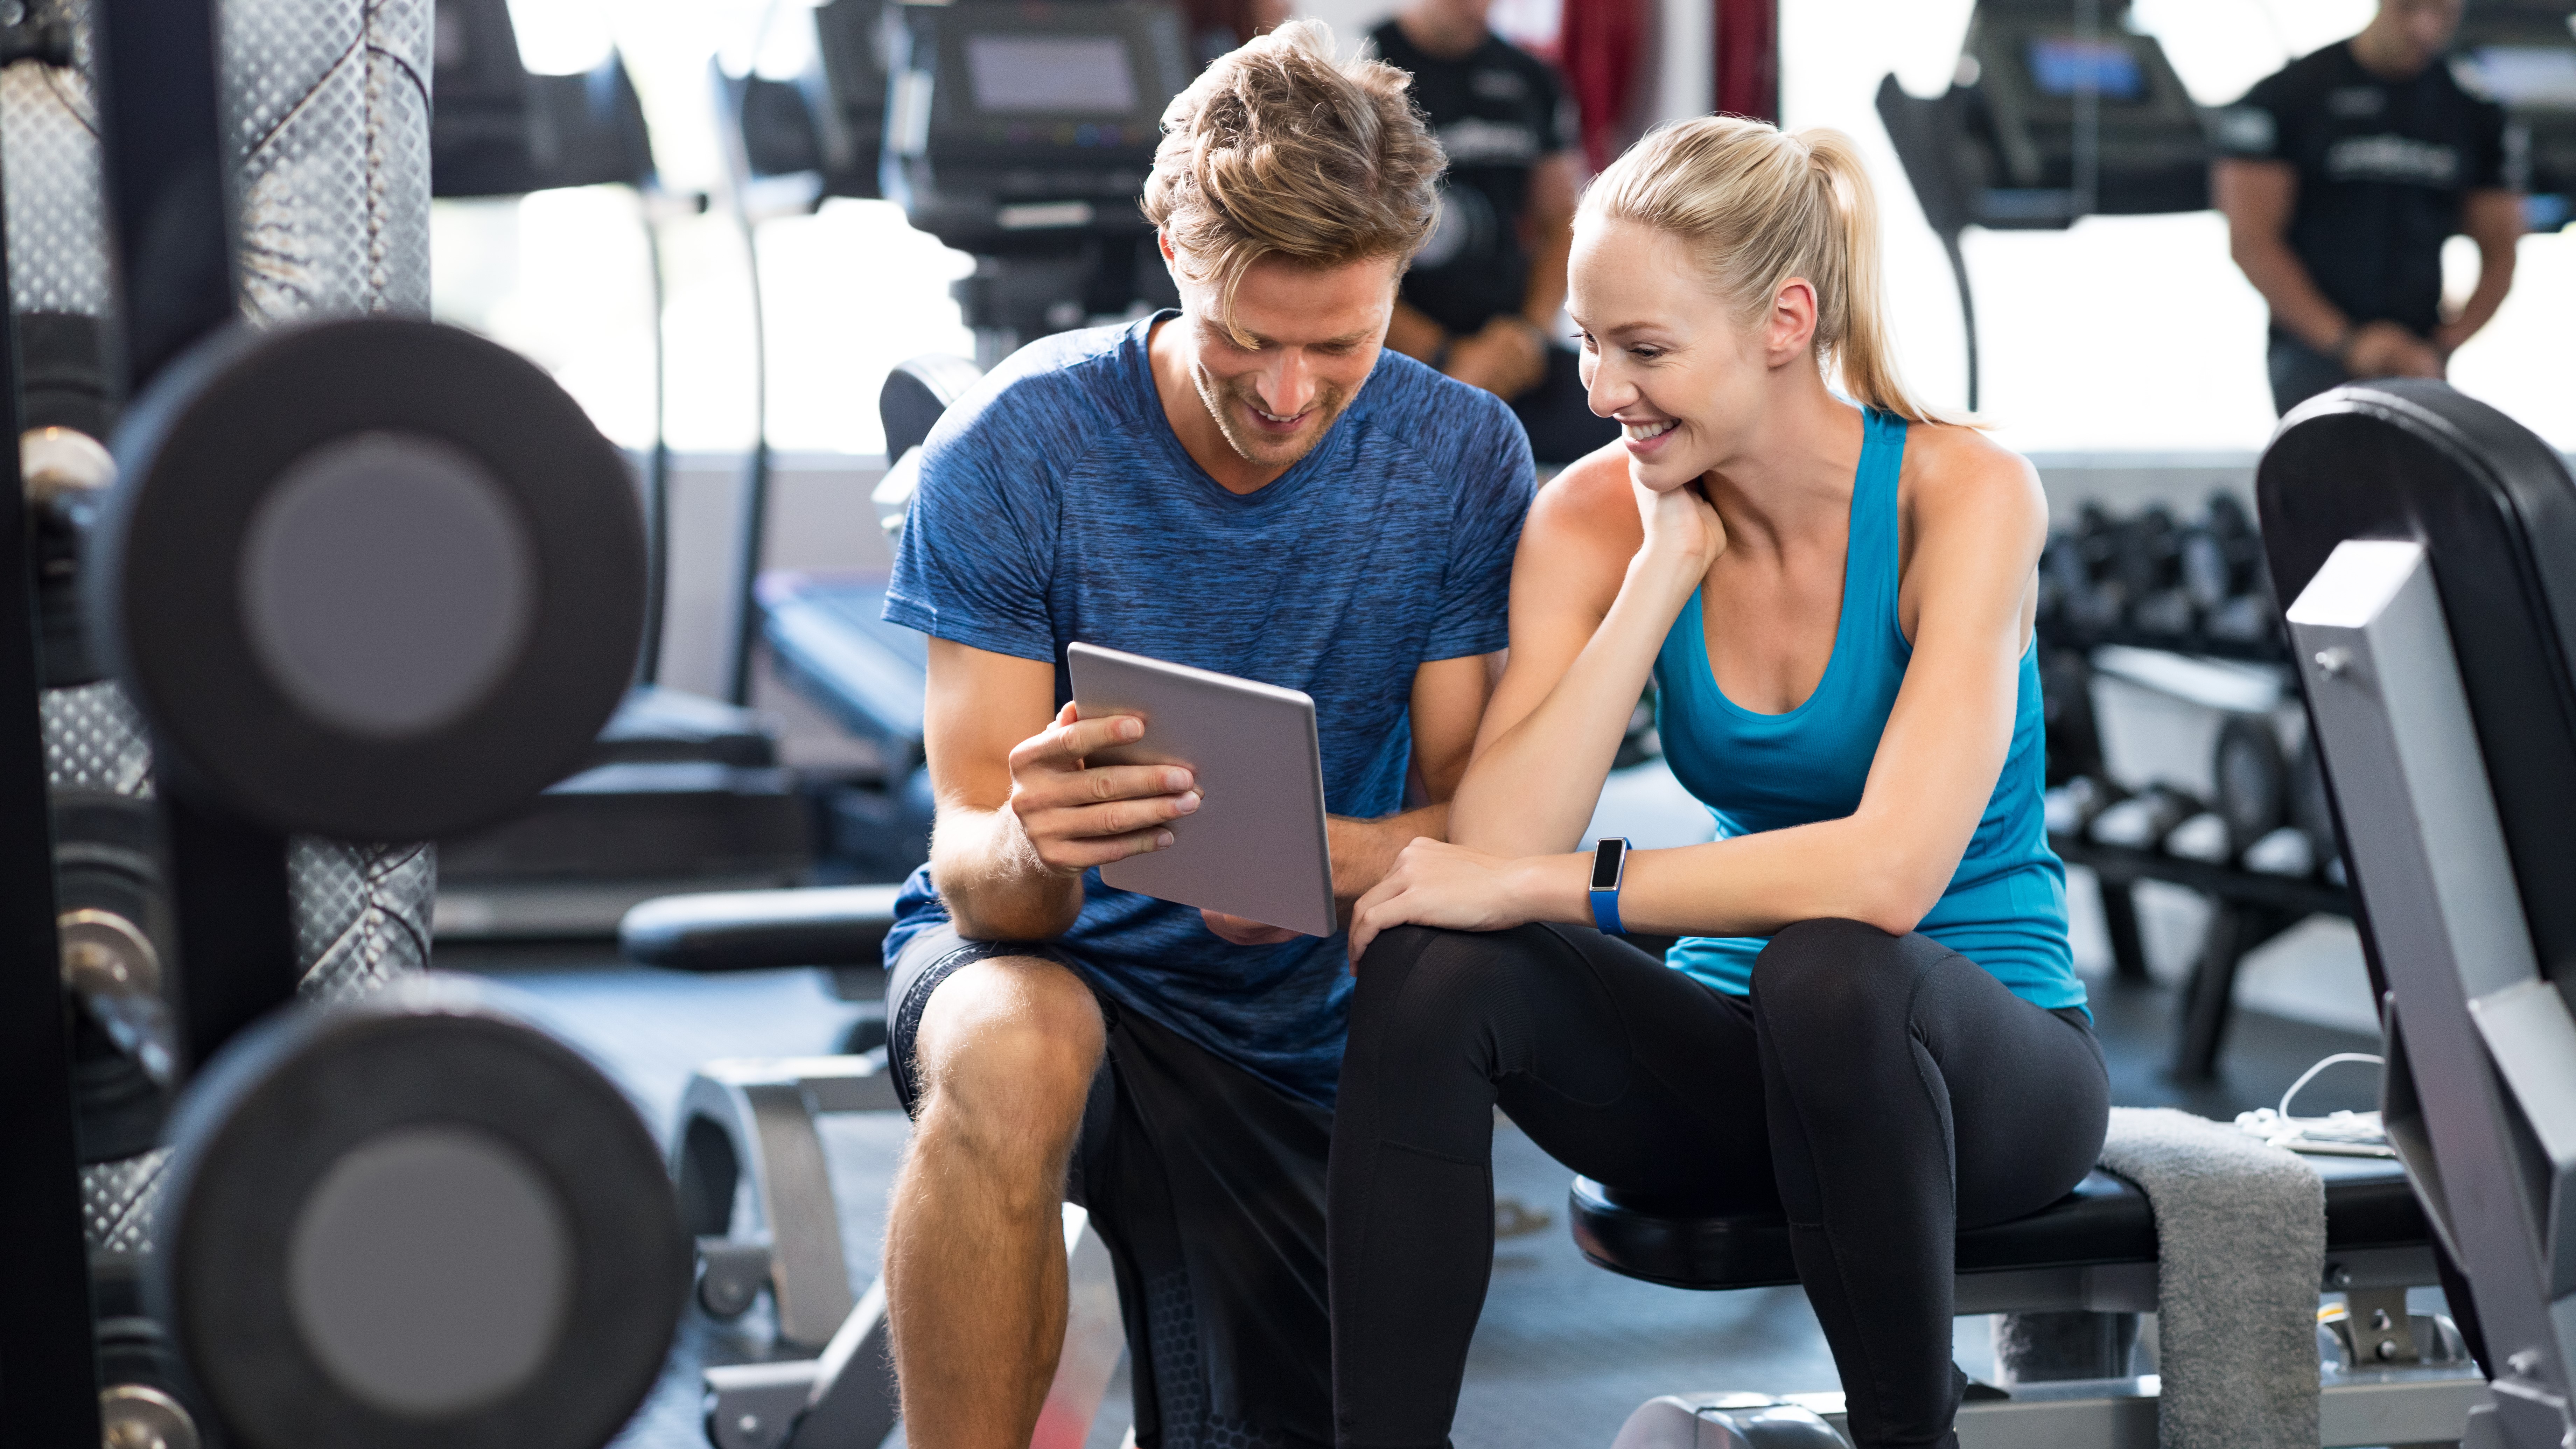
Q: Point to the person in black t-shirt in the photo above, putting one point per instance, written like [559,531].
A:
[2342,176]
[1483,294]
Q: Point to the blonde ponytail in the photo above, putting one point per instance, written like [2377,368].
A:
[1760,206]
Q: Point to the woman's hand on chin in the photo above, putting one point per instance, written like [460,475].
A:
[1683,532]
[1435,883]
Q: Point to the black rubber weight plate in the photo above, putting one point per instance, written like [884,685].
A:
[377,579]
[413,1223]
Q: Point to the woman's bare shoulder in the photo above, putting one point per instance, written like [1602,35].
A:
[1590,503]
[1951,469]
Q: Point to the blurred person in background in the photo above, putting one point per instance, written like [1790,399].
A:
[2342,175]
[1217,26]
[1482,299]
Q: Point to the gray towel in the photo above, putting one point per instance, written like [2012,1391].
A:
[2241,1239]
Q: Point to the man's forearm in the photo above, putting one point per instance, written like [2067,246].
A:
[2291,293]
[995,887]
[2495,279]
[1365,850]
[1546,295]
[1412,333]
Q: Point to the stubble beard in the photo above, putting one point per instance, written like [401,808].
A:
[1257,449]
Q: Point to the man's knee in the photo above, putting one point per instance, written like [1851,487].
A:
[1005,1054]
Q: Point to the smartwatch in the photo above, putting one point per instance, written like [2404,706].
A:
[1609,865]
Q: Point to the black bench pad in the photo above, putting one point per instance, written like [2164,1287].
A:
[2104,1221]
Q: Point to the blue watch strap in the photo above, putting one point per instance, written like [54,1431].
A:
[1610,857]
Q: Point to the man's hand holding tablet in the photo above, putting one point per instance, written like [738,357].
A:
[1257,860]
[1076,818]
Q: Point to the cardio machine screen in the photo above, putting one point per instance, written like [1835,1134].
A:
[2530,77]
[2065,66]
[1050,74]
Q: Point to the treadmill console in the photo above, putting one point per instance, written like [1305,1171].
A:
[2523,56]
[1012,128]
[2049,121]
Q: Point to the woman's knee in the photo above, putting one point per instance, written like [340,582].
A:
[1423,989]
[1831,967]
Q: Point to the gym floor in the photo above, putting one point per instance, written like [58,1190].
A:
[1565,1350]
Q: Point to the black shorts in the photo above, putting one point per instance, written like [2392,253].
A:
[1207,1185]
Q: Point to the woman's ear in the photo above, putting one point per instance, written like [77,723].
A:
[1791,327]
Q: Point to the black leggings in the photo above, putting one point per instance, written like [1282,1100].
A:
[1881,1091]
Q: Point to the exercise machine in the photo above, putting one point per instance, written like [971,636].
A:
[2523,54]
[2425,541]
[825,121]
[1022,136]
[679,787]
[830,641]
[746,1132]
[1019,134]
[370,579]
[2057,111]
[757,1199]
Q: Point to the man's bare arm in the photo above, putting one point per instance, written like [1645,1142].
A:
[2492,219]
[1547,232]
[1019,817]
[1448,703]
[2257,198]
[1414,334]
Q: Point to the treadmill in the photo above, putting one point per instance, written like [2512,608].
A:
[2057,110]
[1021,135]
[681,788]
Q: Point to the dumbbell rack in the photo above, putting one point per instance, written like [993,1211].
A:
[2247,908]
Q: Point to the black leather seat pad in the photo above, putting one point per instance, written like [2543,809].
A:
[2104,1221]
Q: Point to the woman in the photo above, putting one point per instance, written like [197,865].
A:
[1872,1023]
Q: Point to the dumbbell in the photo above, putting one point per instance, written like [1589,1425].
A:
[379,580]
[2091,597]
[2072,738]
[412,1219]
[2220,554]
[66,473]
[2147,819]
[2252,780]
[2150,567]
[2224,569]
[114,933]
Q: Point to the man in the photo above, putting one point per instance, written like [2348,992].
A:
[1251,486]
[2342,175]
[1482,298]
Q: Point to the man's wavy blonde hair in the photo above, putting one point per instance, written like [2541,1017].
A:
[1278,150]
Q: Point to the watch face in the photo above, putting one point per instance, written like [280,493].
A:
[1606,858]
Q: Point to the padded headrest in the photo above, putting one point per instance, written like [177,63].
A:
[2496,511]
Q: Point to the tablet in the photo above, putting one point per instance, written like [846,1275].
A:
[1255,847]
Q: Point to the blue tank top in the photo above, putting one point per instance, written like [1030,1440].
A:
[2005,908]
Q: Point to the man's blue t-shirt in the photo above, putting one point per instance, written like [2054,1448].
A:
[1056,504]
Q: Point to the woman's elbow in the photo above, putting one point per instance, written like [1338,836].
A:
[1897,900]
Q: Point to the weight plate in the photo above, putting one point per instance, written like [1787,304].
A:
[411,1222]
[2252,779]
[373,579]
